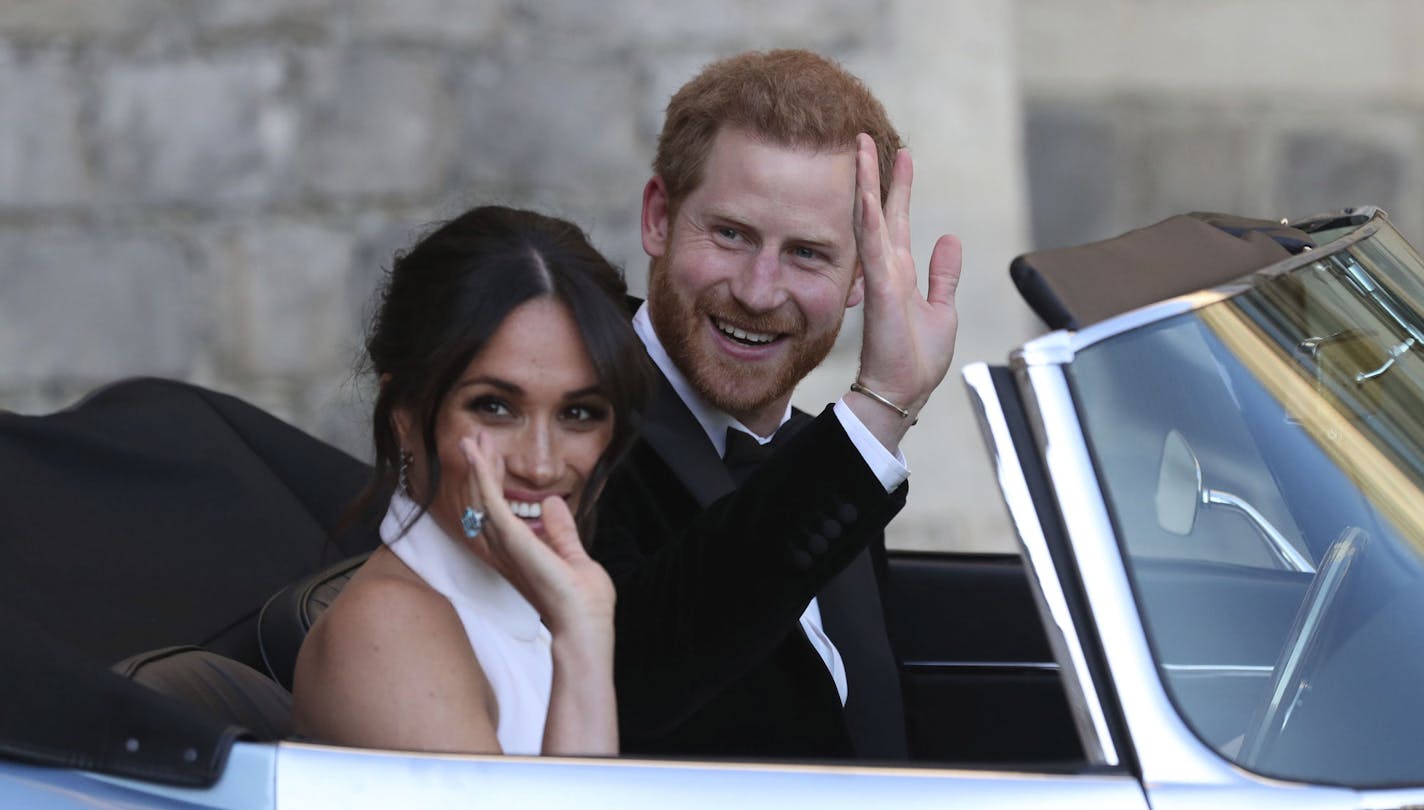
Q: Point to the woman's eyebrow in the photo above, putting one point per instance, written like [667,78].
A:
[496,382]
[594,390]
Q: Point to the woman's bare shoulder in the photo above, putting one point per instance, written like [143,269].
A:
[389,650]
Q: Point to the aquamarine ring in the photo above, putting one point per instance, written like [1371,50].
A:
[472,520]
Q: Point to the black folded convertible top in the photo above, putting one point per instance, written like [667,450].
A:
[157,513]
[153,514]
[1073,287]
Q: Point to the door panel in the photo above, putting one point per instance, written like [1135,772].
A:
[980,683]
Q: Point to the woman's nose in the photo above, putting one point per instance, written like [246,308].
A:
[535,458]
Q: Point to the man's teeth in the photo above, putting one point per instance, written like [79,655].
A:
[526,510]
[743,335]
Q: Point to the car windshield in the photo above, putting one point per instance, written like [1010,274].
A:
[1263,460]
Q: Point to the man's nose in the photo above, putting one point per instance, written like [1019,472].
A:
[757,284]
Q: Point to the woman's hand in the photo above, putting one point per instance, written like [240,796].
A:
[574,597]
[555,573]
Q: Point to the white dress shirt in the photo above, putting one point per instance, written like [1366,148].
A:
[889,468]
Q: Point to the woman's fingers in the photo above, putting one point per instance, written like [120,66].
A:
[562,532]
[487,492]
[505,534]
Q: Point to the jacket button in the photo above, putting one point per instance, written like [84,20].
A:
[831,529]
[800,560]
[816,544]
[847,513]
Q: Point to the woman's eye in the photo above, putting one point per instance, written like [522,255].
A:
[489,406]
[585,414]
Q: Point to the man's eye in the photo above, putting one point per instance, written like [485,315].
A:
[730,234]
[805,253]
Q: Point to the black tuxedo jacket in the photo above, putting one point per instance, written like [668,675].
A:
[712,580]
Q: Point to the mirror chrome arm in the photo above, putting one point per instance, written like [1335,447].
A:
[1280,547]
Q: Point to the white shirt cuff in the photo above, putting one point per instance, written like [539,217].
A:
[890,469]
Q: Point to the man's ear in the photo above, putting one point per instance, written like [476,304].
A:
[856,293]
[656,214]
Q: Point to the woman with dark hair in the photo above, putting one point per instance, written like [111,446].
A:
[509,377]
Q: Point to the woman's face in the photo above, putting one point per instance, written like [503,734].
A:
[533,391]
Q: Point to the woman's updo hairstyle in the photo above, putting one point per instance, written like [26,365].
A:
[444,298]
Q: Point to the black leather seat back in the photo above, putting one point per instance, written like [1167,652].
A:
[292,611]
[220,688]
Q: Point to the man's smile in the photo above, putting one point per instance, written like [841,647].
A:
[744,336]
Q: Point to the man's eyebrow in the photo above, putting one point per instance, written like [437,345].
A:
[824,242]
[723,216]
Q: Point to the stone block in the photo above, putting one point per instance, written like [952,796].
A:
[377,123]
[85,306]
[1074,172]
[247,14]
[199,129]
[42,19]
[732,25]
[551,128]
[445,21]
[284,299]
[41,147]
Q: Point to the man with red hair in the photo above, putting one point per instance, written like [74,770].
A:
[748,618]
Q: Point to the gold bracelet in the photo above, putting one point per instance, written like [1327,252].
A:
[904,414]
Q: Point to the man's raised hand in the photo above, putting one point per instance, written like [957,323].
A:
[908,340]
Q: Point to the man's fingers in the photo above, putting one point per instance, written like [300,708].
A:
[867,165]
[897,202]
[945,265]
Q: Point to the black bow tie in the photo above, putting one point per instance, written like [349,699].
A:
[744,454]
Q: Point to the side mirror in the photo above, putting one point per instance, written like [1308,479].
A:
[1179,486]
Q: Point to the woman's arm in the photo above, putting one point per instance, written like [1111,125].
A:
[389,666]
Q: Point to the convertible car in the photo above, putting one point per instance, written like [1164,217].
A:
[1214,462]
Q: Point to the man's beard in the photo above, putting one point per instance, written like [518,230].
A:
[740,389]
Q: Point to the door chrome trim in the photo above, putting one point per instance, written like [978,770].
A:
[1063,634]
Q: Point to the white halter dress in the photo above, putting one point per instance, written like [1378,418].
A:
[511,644]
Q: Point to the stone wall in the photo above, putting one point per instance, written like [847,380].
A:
[1135,110]
[209,189]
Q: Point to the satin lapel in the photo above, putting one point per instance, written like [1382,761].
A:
[854,619]
[676,436]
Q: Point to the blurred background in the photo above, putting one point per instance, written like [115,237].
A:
[209,190]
